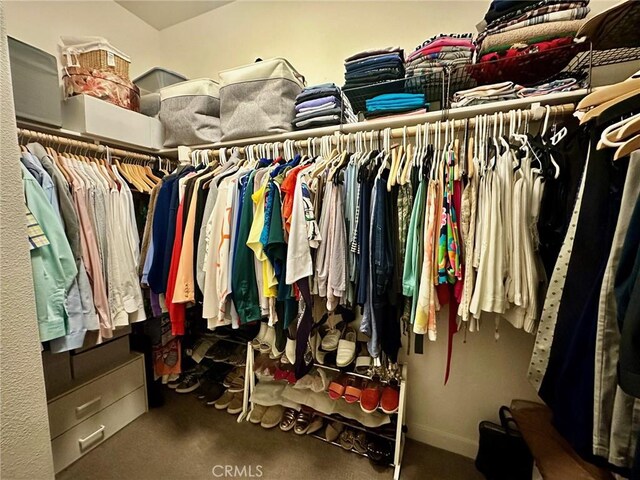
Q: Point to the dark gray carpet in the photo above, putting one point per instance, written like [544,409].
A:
[184,439]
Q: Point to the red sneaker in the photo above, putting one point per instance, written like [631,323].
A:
[370,397]
[390,399]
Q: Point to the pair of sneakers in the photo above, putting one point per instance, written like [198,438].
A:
[230,401]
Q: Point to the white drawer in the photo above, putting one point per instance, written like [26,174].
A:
[74,443]
[72,408]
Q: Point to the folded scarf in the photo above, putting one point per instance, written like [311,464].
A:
[529,35]
[443,42]
[563,85]
[371,53]
[573,14]
[317,102]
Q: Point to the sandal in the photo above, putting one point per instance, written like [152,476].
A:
[353,390]
[232,375]
[288,420]
[238,384]
[255,343]
[268,340]
[360,442]
[347,439]
[337,387]
[363,361]
[302,422]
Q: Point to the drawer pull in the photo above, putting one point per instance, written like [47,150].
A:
[91,439]
[82,410]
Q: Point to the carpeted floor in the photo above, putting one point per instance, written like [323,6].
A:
[184,439]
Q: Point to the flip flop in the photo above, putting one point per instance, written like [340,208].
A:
[353,390]
[346,439]
[337,387]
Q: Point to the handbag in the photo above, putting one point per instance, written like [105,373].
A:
[502,452]
[258,99]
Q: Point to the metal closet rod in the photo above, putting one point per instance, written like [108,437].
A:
[98,148]
[533,114]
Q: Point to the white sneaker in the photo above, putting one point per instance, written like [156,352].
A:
[290,351]
[268,340]
[255,343]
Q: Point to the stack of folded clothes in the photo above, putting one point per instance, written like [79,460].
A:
[371,73]
[485,94]
[392,103]
[322,105]
[515,29]
[436,55]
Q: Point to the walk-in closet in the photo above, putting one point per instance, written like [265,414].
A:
[311,239]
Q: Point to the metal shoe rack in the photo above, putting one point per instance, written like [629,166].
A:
[396,434]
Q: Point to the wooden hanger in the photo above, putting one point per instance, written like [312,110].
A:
[596,111]
[627,148]
[608,93]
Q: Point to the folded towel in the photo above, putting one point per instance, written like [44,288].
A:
[529,35]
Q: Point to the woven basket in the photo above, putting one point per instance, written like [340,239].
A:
[104,60]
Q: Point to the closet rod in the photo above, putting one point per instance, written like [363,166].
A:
[409,132]
[46,137]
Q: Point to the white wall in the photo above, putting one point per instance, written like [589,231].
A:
[41,23]
[25,449]
[314,36]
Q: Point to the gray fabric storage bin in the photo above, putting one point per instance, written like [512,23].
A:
[190,112]
[150,104]
[157,78]
[36,90]
[258,99]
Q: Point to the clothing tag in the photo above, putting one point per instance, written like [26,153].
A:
[111,59]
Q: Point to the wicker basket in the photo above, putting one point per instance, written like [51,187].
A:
[104,60]
[94,53]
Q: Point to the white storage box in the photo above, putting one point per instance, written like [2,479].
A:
[94,117]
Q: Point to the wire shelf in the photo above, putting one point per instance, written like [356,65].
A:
[534,68]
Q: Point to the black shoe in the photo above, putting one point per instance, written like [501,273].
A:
[220,351]
[190,383]
[214,393]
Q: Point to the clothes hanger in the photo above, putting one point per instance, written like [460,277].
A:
[608,93]
[608,136]
[596,111]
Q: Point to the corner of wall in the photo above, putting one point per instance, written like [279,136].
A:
[25,448]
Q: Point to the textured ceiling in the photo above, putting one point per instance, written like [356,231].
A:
[163,14]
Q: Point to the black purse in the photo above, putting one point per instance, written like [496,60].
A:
[503,453]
